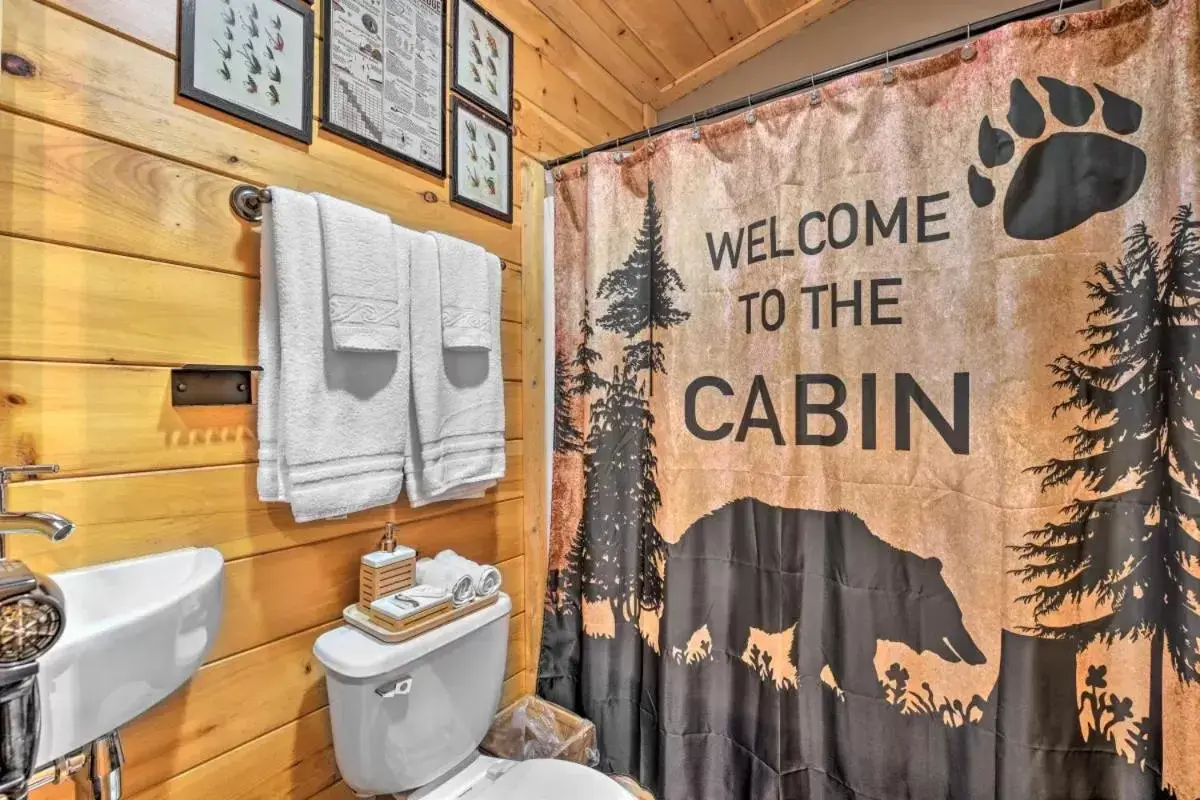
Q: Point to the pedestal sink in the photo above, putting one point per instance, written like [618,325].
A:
[136,631]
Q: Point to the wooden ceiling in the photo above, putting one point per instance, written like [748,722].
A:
[662,49]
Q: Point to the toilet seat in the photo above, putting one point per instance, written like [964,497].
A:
[544,779]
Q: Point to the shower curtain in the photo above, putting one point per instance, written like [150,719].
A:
[876,455]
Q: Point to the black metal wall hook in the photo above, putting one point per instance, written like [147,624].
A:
[209,385]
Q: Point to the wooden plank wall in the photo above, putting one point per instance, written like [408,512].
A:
[119,258]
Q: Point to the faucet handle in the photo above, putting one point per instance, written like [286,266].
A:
[31,469]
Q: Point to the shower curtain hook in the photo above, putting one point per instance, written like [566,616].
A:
[815,98]
[1059,24]
[695,129]
[649,140]
[968,50]
[751,117]
[889,74]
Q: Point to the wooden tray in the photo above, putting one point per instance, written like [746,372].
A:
[359,619]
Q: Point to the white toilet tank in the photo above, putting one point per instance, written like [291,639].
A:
[405,714]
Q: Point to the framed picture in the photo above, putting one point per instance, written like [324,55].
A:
[384,75]
[481,177]
[252,59]
[483,59]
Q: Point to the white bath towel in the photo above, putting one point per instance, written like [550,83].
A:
[270,475]
[466,294]
[485,579]
[457,412]
[366,312]
[332,432]
[446,576]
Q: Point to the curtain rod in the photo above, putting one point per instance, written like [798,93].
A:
[960,34]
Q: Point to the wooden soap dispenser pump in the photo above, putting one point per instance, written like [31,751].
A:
[390,569]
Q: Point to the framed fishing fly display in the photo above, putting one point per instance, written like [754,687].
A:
[481,175]
[252,59]
[483,59]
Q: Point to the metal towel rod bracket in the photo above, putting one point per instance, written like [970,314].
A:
[247,202]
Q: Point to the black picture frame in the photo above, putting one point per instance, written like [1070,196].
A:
[458,107]
[187,72]
[439,170]
[505,114]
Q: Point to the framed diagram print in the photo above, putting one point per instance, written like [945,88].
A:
[252,59]
[482,176]
[383,77]
[483,59]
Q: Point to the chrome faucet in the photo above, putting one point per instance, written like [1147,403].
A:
[32,618]
[52,526]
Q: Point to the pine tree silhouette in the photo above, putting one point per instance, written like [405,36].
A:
[640,293]
[586,379]
[1124,544]
[621,551]
[567,438]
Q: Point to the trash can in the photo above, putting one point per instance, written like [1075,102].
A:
[535,728]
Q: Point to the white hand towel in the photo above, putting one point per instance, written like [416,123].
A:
[466,296]
[270,475]
[446,576]
[365,309]
[457,412]
[331,425]
[485,578]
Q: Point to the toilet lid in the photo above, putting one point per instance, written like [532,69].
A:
[544,779]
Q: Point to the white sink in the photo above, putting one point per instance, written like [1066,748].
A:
[136,631]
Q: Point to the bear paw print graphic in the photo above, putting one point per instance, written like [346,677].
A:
[1064,179]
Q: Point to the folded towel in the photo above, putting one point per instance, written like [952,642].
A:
[466,297]
[457,411]
[365,308]
[270,476]
[331,439]
[485,578]
[446,576]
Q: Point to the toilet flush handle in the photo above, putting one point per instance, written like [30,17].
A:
[396,688]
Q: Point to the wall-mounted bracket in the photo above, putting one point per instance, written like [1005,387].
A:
[206,385]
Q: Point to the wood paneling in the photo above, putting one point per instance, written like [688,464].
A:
[534,433]
[664,49]
[538,79]
[294,760]
[98,419]
[666,31]
[153,23]
[119,258]
[801,15]
[122,516]
[90,81]
[555,46]
[259,591]
[721,24]
[543,134]
[115,308]
[606,36]
[225,705]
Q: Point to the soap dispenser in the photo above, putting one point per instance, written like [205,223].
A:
[389,569]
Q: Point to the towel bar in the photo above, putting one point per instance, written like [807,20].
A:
[247,202]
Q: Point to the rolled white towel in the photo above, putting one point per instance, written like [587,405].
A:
[484,577]
[449,577]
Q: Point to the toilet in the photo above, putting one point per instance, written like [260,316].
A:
[408,718]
